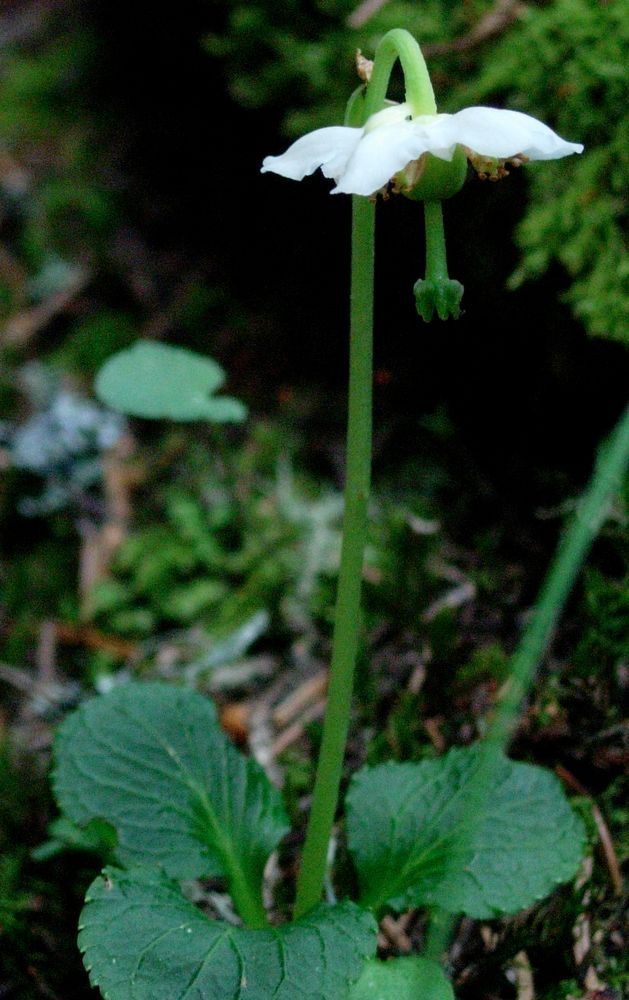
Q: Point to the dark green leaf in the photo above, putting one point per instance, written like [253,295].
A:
[161,381]
[410,978]
[151,760]
[418,837]
[143,941]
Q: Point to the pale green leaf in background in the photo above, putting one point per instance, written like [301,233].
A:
[169,383]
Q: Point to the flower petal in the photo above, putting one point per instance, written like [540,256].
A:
[379,155]
[501,134]
[328,148]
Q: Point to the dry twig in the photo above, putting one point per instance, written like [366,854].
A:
[607,844]
[462,591]
[493,23]
[92,638]
[522,974]
[295,731]
[311,690]
[433,728]
[393,932]
[99,545]
[364,12]
[46,655]
[23,326]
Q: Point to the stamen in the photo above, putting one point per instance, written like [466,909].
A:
[364,66]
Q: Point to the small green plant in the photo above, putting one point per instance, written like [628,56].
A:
[152,761]
[470,832]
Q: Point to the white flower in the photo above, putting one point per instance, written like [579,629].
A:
[363,160]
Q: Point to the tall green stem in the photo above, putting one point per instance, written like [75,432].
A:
[611,466]
[346,624]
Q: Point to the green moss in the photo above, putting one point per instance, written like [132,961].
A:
[565,62]
[604,644]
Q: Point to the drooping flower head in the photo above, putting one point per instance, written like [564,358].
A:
[418,152]
[364,160]
[396,142]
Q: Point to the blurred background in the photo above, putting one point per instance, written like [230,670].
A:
[131,206]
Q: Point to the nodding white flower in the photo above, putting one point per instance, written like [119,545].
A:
[363,160]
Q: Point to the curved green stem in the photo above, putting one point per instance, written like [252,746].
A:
[346,624]
[611,466]
[439,933]
[399,44]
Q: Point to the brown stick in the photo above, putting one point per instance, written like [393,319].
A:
[494,22]
[604,835]
[23,326]
[92,638]
[362,13]
[297,729]
[309,691]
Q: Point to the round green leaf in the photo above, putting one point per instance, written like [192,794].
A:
[409,978]
[141,940]
[151,760]
[164,382]
[429,834]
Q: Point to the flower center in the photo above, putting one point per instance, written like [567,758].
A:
[429,119]
[388,116]
[398,113]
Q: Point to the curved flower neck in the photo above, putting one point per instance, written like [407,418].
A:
[420,97]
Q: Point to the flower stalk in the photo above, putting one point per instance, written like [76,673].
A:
[422,155]
[358,477]
[395,44]
[592,509]
[437,291]
[347,617]
[436,257]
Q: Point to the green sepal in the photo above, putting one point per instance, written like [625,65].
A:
[441,294]
[432,179]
